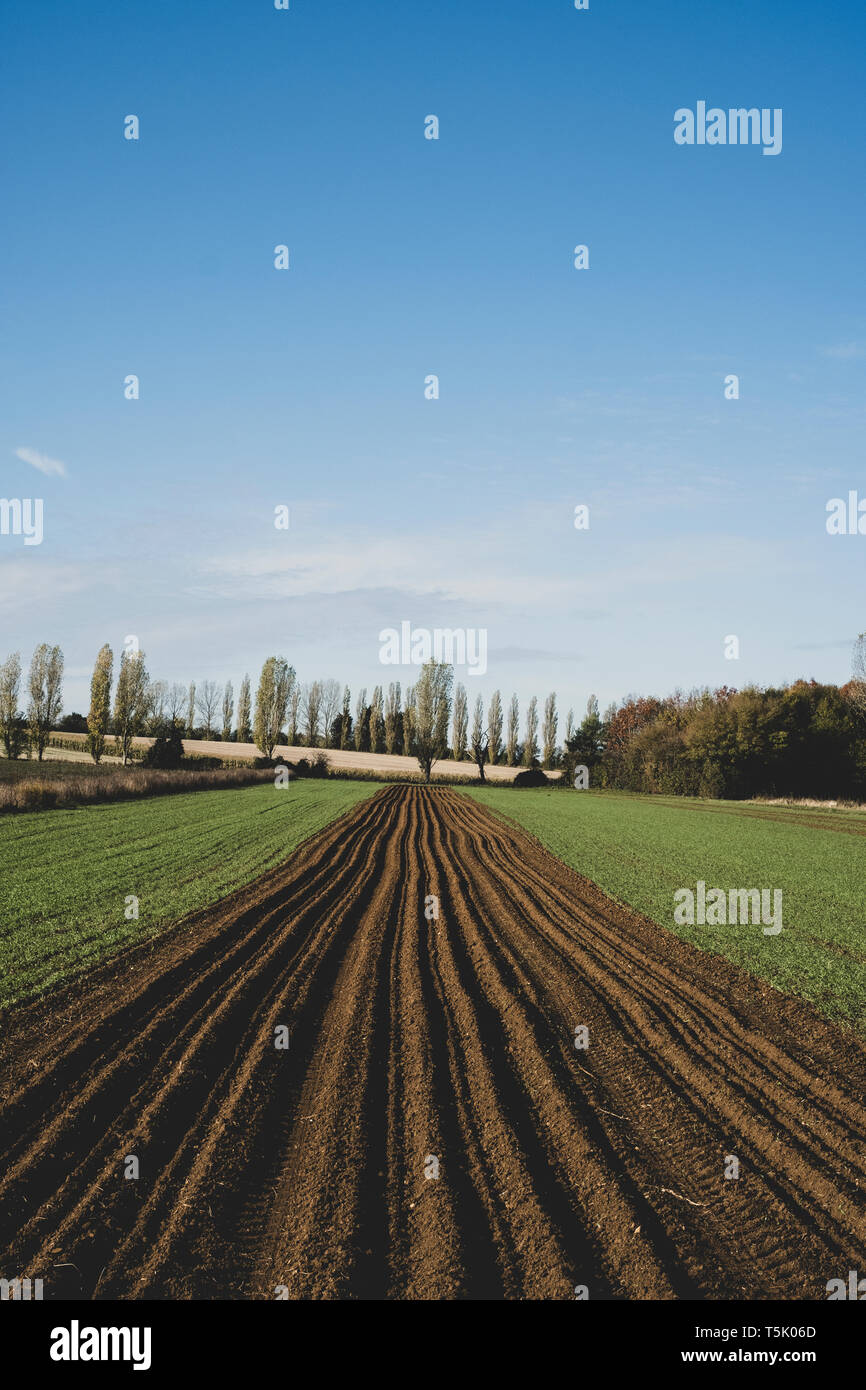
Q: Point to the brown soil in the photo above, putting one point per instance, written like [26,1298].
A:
[411,1038]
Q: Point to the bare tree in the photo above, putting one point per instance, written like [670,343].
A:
[157,698]
[46,682]
[228,711]
[569,725]
[530,746]
[494,727]
[512,735]
[207,703]
[311,711]
[175,702]
[548,730]
[330,706]
[432,708]
[190,711]
[479,739]
[460,723]
[294,713]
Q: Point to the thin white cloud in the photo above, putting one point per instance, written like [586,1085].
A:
[493,567]
[52,468]
[29,584]
[843,351]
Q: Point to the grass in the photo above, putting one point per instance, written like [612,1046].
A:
[641,849]
[67,873]
[34,786]
[28,769]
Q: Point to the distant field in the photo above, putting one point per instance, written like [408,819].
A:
[641,849]
[67,873]
[346,759]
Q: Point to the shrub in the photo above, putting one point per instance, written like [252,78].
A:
[165,751]
[73,724]
[314,767]
[532,777]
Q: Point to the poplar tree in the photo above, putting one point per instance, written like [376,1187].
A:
[432,708]
[530,747]
[130,701]
[228,711]
[360,718]
[276,686]
[460,724]
[409,722]
[392,717]
[245,728]
[46,686]
[512,736]
[494,727]
[11,728]
[377,722]
[100,703]
[345,718]
[549,727]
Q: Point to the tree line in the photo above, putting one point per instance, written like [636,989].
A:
[806,739]
[802,739]
[423,721]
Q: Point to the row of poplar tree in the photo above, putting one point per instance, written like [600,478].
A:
[315,714]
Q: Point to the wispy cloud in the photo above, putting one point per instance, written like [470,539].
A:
[843,351]
[53,468]
[517,565]
[31,586]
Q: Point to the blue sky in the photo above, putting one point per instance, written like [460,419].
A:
[454,257]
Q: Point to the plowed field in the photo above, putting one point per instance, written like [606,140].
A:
[423,1044]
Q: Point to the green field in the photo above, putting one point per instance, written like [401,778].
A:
[641,849]
[66,873]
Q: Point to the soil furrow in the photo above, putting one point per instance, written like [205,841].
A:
[431,1131]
